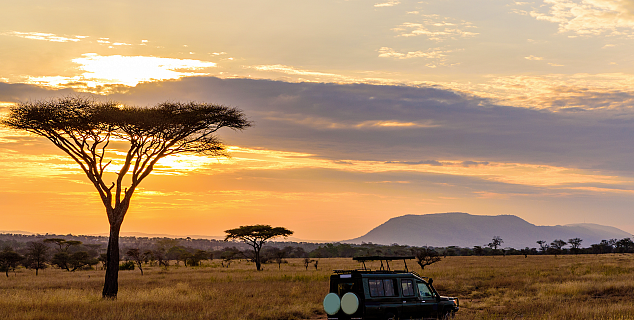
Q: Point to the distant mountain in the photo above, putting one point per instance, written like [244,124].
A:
[466,230]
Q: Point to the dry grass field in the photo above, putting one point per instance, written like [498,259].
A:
[514,287]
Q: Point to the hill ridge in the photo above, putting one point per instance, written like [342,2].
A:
[467,230]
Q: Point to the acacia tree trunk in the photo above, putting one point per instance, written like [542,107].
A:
[111,284]
[258,263]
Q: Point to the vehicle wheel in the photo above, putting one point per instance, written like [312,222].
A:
[391,316]
[447,315]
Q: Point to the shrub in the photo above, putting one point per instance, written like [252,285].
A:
[128,265]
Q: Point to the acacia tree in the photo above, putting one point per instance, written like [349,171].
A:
[256,236]
[36,256]
[88,131]
[426,256]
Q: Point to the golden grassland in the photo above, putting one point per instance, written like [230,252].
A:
[512,287]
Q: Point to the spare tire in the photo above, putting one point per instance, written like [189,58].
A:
[349,303]
[332,304]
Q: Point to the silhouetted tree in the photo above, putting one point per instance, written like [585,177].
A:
[624,245]
[556,247]
[9,260]
[426,256]
[229,254]
[136,256]
[84,129]
[194,259]
[256,236]
[36,256]
[575,243]
[543,246]
[495,242]
[63,244]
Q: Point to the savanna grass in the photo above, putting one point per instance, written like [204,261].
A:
[513,287]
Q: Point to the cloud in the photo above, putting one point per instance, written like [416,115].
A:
[125,70]
[438,55]
[390,3]
[532,57]
[590,17]
[607,91]
[436,28]
[44,36]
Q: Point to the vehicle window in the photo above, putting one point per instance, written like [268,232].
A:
[381,287]
[423,291]
[345,287]
[408,287]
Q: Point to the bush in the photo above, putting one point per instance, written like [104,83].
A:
[128,265]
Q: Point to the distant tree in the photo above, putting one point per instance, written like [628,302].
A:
[478,251]
[177,253]
[624,245]
[87,131]
[194,259]
[426,256]
[228,255]
[9,260]
[256,236]
[161,257]
[137,257]
[543,246]
[63,244]
[36,256]
[556,247]
[74,261]
[575,243]
[495,243]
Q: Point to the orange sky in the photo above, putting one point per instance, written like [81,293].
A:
[362,110]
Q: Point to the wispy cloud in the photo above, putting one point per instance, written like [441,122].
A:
[436,28]
[45,36]
[532,57]
[590,17]
[438,55]
[390,3]
[320,122]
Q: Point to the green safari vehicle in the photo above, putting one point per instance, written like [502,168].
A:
[385,294]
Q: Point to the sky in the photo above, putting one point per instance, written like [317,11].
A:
[362,110]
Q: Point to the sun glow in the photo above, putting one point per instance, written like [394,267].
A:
[126,70]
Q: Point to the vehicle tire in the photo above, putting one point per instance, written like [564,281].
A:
[447,315]
[390,316]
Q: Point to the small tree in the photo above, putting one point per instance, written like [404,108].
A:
[543,245]
[624,245]
[136,256]
[495,243]
[62,244]
[86,130]
[426,256]
[256,236]
[556,247]
[36,256]
[575,243]
[9,260]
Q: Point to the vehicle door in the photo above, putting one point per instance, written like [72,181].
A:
[427,302]
[409,307]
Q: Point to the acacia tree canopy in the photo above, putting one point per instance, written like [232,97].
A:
[88,130]
[256,236]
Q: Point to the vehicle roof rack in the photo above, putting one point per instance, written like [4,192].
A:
[386,259]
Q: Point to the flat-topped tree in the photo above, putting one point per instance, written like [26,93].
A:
[256,236]
[86,130]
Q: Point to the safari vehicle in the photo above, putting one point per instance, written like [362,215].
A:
[385,294]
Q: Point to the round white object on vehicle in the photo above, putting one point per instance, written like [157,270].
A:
[332,303]
[349,303]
